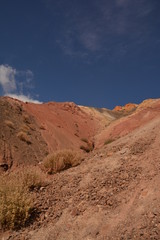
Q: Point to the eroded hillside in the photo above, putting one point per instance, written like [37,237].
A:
[28,132]
[114,192]
[20,139]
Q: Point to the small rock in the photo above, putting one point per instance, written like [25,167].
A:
[75,212]
[109,203]
[42,188]
[109,154]
[123,151]
[42,217]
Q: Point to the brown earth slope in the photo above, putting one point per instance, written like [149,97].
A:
[28,132]
[114,193]
[144,113]
[20,139]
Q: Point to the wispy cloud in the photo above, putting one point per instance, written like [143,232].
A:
[90,40]
[93,28]
[23,98]
[14,83]
[122,2]
[7,78]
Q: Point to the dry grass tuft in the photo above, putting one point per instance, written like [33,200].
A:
[32,178]
[62,160]
[23,137]
[85,148]
[26,119]
[15,203]
[9,123]
[25,128]
[89,146]
[84,140]
[108,141]
[42,127]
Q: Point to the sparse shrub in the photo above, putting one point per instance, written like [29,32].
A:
[76,134]
[15,203]
[88,148]
[108,141]
[9,123]
[25,128]
[84,140]
[61,160]
[26,119]
[32,178]
[23,137]
[85,148]
[42,127]
[32,127]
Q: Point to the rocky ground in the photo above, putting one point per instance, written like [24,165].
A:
[113,194]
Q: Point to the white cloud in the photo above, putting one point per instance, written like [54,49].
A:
[14,83]
[90,40]
[122,2]
[23,98]
[92,34]
[7,78]
[29,76]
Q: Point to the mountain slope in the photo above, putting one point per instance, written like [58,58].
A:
[30,131]
[113,194]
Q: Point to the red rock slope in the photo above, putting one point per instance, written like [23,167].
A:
[144,113]
[113,194]
[30,131]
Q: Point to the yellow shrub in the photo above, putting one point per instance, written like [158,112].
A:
[9,124]
[61,160]
[108,141]
[24,137]
[15,203]
[32,178]
[88,148]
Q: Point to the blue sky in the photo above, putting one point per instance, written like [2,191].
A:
[98,53]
